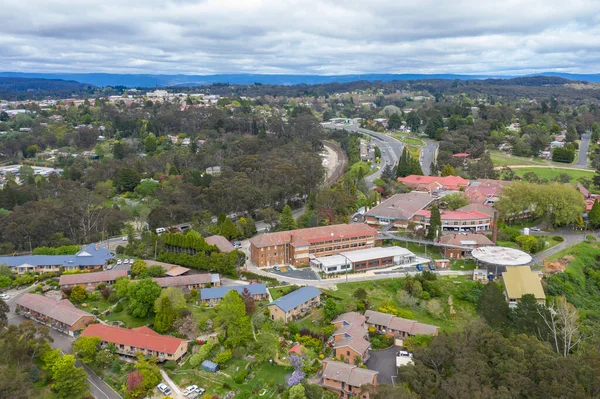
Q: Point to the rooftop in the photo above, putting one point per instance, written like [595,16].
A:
[348,373]
[456,215]
[92,255]
[296,298]
[465,239]
[521,280]
[84,278]
[401,206]
[501,256]
[180,281]
[221,242]
[220,292]
[62,310]
[451,182]
[351,318]
[304,237]
[142,337]
[359,344]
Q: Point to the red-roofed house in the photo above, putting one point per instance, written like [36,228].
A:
[296,246]
[484,191]
[461,155]
[467,221]
[143,340]
[424,183]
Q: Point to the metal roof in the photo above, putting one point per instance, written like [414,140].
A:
[296,298]
[220,292]
[501,256]
[88,256]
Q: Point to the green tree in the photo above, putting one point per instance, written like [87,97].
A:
[447,170]
[330,310]
[4,310]
[297,391]
[492,306]
[594,214]
[165,314]
[150,374]
[455,201]
[150,143]
[86,348]
[571,135]
[122,287]
[138,268]
[228,229]
[287,221]
[70,382]
[127,180]
[526,317]
[104,358]
[231,316]
[394,121]
[404,164]
[78,294]
[435,223]
[118,150]
[413,121]
[266,346]
[223,357]
[142,296]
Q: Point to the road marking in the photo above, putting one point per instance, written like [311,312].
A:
[98,388]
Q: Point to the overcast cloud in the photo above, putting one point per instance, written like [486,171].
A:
[328,37]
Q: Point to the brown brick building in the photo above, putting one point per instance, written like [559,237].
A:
[295,247]
[346,379]
[90,281]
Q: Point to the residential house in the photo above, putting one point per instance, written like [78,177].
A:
[398,210]
[190,282]
[220,242]
[296,247]
[352,350]
[59,315]
[92,257]
[350,331]
[398,327]
[212,296]
[453,245]
[484,191]
[349,318]
[364,259]
[295,304]
[346,379]
[461,221]
[90,281]
[129,342]
[519,281]
[434,183]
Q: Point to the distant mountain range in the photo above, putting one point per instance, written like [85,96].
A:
[141,80]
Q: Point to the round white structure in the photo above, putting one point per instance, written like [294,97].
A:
[501,256]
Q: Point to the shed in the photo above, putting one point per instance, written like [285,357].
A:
[210,366]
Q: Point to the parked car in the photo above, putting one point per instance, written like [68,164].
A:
[110,266]
[124,238]
[119,262]
[189,390]
[420,268]
[131,261]
[164,388]
[4,297]
[237,244]
[125,261]
[431,267]
[160,230]
[535,229]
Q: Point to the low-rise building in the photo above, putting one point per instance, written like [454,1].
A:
[90,281]
[365,259]
[190,282]
[433,184]
[458,246]
[129,342]
[349,319]
[295,304]
[519,281]
[221,242]
[212,296]
[352,350]
[296,247]
[398,327]
[92,257]
[346,379]
[398,210]
[59,315]
[461,221]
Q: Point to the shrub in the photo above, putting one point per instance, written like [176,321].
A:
[170,365]
[240,376]
[118,307]
[100,286]
[558,238]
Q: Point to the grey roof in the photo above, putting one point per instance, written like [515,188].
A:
[84,278]
[401,206]
[411,327]
[182,281]
[221,242]
[88,256]
[351,318]
[379,318]
[348,373]
[63,310]
[359,344]
[296,298]
[220,292]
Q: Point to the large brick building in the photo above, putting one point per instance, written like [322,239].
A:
[461,221]
[346,379]
[398,210]
[295,247]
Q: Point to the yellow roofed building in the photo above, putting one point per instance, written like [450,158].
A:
[519,281]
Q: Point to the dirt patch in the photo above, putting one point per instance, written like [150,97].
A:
[558,265]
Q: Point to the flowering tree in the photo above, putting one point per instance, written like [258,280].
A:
[298,375]
[134,381]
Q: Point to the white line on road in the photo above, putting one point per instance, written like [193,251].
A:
[98,388]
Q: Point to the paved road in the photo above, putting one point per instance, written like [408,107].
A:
[98,388]
[571,237]
[383,361]
[428,155]
[583,150]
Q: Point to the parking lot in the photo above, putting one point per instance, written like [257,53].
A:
[305,274]
[383,361]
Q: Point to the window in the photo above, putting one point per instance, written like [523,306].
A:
[347,353]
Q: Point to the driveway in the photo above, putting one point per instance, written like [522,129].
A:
[383,361]
[303,274]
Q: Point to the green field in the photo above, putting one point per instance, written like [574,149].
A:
[551,172]
[408,140]
[583,253]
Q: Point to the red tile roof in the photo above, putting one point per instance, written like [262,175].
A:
[461,155]
[138,337]
[304,237]
[449,182]
[62,310]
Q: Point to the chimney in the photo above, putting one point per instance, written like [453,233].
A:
[96,246]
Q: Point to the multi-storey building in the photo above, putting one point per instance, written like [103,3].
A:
[462,221]
[295,304]
[295,247]
[398,327]
[212,296]
[346,379]
[365,259]
[398,210]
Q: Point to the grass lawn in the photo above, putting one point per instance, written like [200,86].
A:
[130,321]
[551,172]
[408,140]
[583,253]
[500,158]
[463,264]
[415,152]
[418,249]
[278,292]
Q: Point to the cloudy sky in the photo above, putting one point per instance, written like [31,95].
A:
[301,36]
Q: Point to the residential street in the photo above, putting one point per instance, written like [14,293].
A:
[583,150]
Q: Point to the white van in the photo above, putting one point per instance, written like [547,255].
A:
[160,230]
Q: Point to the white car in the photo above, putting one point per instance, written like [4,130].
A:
[124,238]
[4,297]
[119,262]
[131,261]
[125,261]
[164,389]
[189,390]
